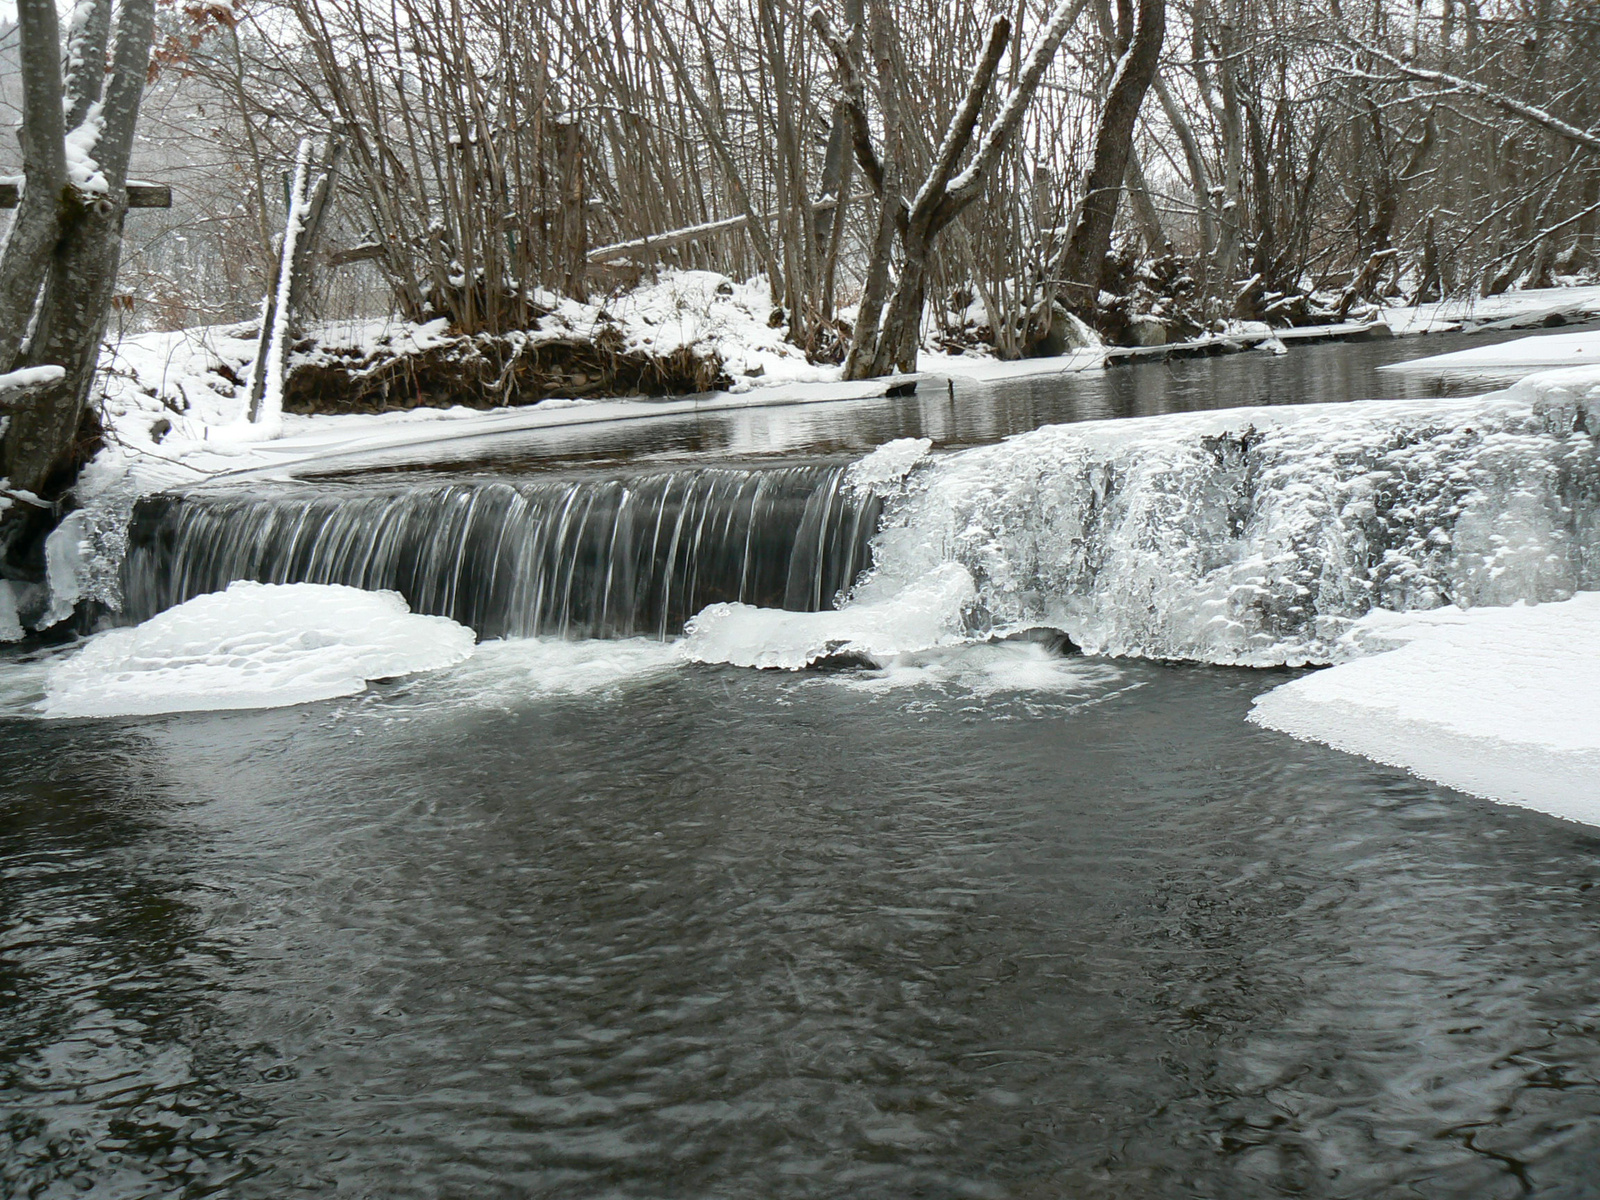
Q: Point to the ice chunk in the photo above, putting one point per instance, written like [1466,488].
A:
[876,624]
[888,464]
[65,557]
[10,623]
[1497,702]
[252,646]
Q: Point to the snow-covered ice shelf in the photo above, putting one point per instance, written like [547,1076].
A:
[252,646]
[1502,703]
[1541,351]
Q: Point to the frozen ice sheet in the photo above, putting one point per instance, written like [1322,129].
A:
[252,646]
[1502,703]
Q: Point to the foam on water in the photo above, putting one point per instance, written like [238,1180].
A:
[504,673]
[877,624]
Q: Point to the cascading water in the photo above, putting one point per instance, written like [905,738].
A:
[577,558]
[1251,537]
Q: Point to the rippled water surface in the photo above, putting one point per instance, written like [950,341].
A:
[710,933]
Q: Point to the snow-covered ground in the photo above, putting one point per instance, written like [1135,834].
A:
[175,412]
[1450,314]
[1502,703]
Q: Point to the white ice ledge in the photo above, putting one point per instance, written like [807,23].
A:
[252,646]
[1502,703]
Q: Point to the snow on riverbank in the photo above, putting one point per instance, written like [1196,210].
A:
[252,646]
[1445,315]
[1502,703]
[1542,351]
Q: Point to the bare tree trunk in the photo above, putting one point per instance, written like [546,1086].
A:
[74,295]
[36,227]
[573,243]
[287,298]
[1083,261]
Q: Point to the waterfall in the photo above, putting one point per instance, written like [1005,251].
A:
[572,557]
[1256,537]
[1252,537]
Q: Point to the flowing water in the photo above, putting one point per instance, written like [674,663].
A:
[578,918]
[578,558]
[721,933]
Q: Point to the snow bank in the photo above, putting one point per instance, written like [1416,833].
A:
[1450,314]
[1502,703]
[705,311]
[253,646]
[1541,351]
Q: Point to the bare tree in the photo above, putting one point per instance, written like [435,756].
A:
[943,193]
[59,268]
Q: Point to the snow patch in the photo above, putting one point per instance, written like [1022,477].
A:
[1496,702]
[1548,350]
[30,377]
[83,172]
[252,646]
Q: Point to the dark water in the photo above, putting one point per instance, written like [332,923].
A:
[729,934]
[958,413]
[714,933]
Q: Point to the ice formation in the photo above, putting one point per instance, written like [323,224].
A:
[927,612]
[888,464]
[1256,537]
[1496,702]
[1540,351]
[252,646]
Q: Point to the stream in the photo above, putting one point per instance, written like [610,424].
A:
[579,918]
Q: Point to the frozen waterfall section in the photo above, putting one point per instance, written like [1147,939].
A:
[1251,537]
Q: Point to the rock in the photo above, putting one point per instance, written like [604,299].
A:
[1146,331]
[1066,332]
[1055,641]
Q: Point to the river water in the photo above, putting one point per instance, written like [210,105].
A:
[580,920]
